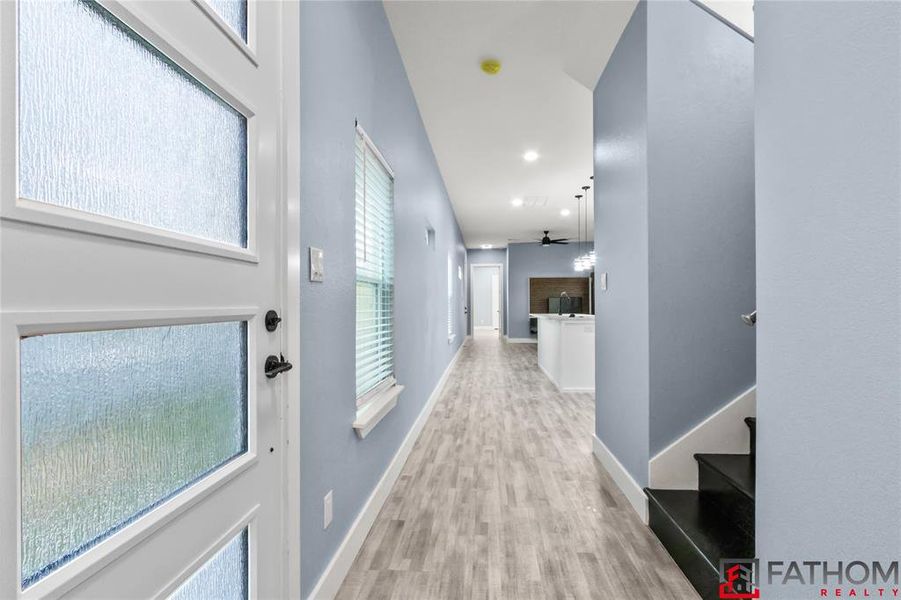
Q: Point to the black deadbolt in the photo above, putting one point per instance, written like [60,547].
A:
[272,320]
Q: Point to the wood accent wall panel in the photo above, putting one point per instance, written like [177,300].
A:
[542,288]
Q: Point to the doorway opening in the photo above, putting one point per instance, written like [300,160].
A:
[487,300]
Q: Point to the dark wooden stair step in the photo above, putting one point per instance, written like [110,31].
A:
[726,483]
[696,536]
[735,469]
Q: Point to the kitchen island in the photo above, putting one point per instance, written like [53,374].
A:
[566,350]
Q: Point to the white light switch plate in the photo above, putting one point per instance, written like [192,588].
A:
[327,510]
[317,268]
[603,282]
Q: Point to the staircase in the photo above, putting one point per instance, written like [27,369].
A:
[698,528]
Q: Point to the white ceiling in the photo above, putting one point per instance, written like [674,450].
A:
[552,55]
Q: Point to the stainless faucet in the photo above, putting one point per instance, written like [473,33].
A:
[560,306]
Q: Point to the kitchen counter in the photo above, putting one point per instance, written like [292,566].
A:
[563,317]
[566,350]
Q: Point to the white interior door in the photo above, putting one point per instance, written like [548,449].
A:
[495,299]
[141,445]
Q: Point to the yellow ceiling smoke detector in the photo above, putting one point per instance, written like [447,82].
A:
[491,66]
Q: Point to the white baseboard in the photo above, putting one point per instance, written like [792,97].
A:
[724,431]
[629,487]
[330,582]
[511,340]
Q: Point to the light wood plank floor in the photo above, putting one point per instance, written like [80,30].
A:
[502,498]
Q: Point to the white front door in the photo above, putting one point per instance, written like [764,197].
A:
[141,245]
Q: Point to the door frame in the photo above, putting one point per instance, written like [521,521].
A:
[501,330]
[289,169]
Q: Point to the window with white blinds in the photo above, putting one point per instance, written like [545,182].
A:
[375,270]
[450,298]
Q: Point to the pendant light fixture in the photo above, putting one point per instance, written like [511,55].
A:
[578,262]
[586,260]
[589,257]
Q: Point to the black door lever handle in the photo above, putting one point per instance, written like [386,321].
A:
[276,365]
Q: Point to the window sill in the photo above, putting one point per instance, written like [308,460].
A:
[369,414]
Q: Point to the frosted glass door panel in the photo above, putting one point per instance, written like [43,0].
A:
[110,126]
[115,422]
[233,12]
[223,577]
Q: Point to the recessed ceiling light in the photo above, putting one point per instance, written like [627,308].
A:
[516,202]
[530,156]
[564,212]
[487,246]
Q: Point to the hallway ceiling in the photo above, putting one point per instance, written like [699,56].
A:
[552,54]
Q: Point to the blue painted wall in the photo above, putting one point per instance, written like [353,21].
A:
[828,131]
[674,227]
[700,216]
[622,387]
[351,69]
[492,256]
[534,260]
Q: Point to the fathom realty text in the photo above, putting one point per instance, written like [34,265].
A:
[838,579]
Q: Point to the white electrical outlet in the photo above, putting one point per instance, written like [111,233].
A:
[603,282]
[327,510]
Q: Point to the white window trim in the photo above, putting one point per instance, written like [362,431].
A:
[451,297]
[375,150]
[374,405]
[377,402]
[373,395]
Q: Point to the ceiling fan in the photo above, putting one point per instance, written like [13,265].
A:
[547,241]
